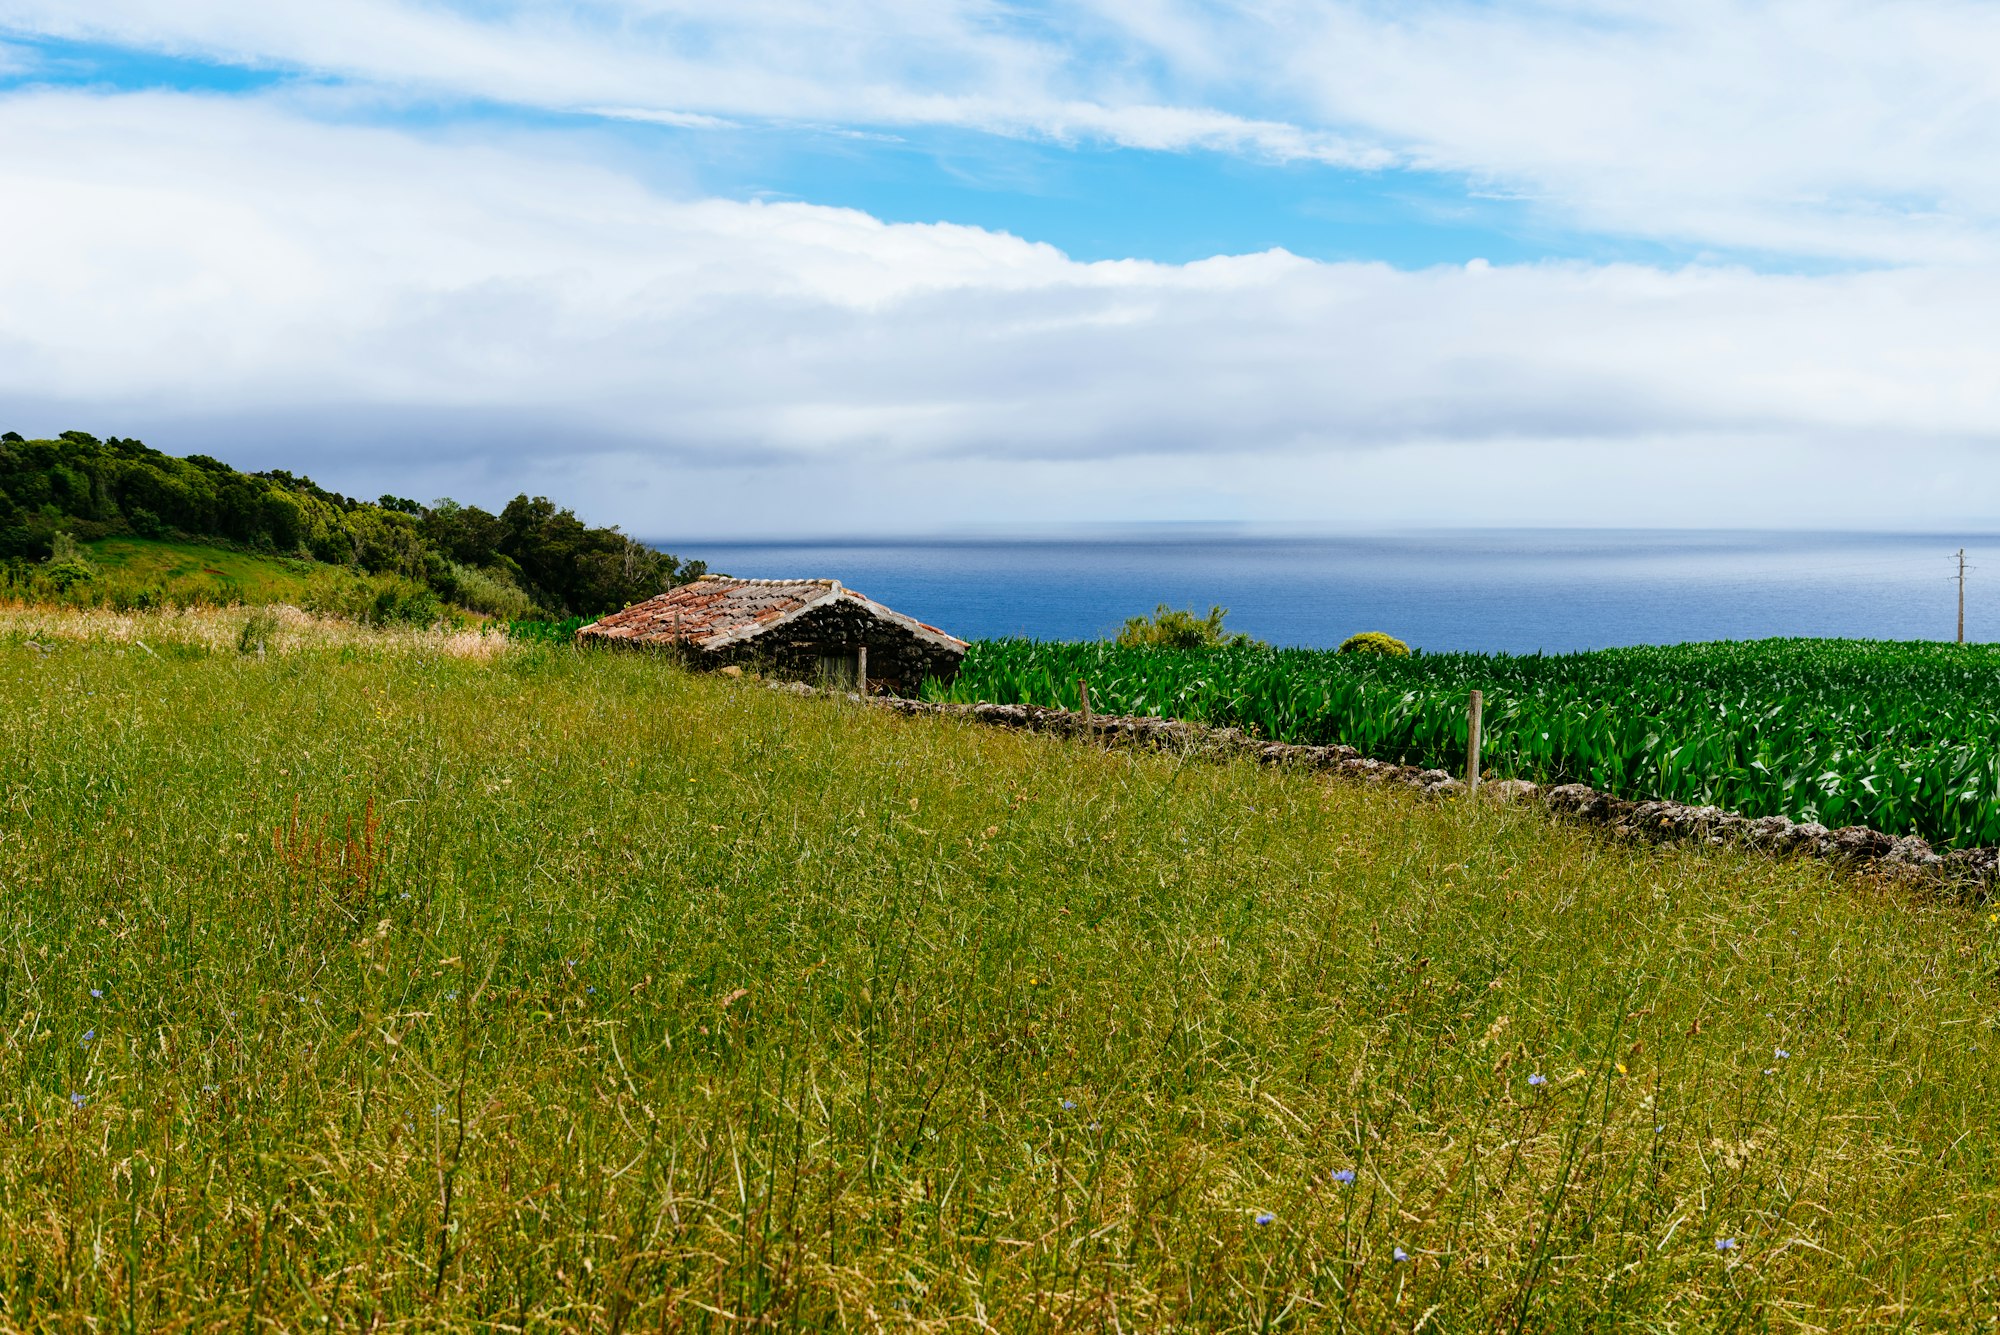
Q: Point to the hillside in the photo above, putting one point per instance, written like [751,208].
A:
[531,558]
[397,979]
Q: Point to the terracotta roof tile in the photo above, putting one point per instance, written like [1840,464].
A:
[717,610]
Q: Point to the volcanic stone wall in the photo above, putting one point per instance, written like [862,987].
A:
[1974,870]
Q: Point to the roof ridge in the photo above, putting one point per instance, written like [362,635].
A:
[737,579]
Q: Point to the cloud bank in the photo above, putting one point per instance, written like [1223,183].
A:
[408,310]
[1825,128]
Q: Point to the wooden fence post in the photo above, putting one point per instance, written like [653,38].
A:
[861,670]
[1083,690]
[1473,711]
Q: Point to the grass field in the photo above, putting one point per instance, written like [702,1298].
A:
[145,573]
[400,980]
[204,574]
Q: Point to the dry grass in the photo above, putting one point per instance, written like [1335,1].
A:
[537,990]
[279,629]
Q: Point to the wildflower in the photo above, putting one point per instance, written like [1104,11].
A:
[569,964]
[1770,1070]
[1265,1218]
[1344,1176]
[1620,1068]
[76,1100]
[97,993]
[88,1034]
[1400,1255]
[1725,1244]
[1067,1105]
[1780,1053]
[451,996]
[591,990]
[1538,1079]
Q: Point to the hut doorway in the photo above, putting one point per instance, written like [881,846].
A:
[839,671]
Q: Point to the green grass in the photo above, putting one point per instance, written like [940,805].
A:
[138,574]
[1900,736]
[455,985]
[205,574]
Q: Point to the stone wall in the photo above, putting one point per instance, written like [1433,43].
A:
[1973,870]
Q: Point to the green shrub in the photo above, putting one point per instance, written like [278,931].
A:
[258,628]
[1375,642]
[69,565]
[1172,628]
[489,591]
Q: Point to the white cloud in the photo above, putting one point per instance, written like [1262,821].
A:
[905,62]
[222,274]
[1816,127]
[1844,129]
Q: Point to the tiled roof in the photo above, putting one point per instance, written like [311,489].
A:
[717,611]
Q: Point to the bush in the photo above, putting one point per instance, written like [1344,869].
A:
[487,591]
[69,565]
[1375,642]
[1171,628]
[258,629]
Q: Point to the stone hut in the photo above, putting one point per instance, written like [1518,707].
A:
[811,630]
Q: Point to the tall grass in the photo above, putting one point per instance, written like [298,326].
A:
[369,983]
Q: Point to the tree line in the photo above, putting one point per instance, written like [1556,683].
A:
[532,558]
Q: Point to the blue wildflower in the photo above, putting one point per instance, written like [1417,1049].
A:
[1725,1244]
[1344,1176]
[591,990]
[1068,1106]
[1538,1079]
[97,992]
[1265,1218]
[88,1034]
[1400,1255]
[76,1100]
[1780,1053]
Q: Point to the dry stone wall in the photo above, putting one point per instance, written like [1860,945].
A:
[1973,869]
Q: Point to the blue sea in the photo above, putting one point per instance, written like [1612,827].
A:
[1516,591]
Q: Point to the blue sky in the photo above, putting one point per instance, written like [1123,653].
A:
[1325,262]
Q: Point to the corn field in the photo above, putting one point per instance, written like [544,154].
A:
[1901,736]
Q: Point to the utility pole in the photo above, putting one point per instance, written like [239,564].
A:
[1961,595]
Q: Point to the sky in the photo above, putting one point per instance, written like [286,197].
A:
[766,268]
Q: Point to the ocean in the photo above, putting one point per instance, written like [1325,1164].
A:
[1515,591]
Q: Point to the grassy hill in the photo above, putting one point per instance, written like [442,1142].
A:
[532,558]
[127,573]
[396,978]
[197,573]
